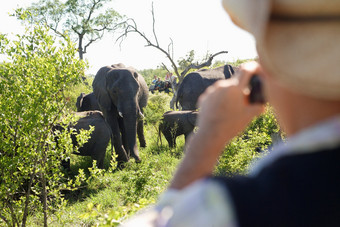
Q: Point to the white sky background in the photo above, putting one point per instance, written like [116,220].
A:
[199,25]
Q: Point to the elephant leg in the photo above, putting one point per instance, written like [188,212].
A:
[100,162]
[140,133]
[174,141]
[99,154]
[170,138]
[187,133]
[66,164]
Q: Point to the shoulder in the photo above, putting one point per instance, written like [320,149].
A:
[206,199]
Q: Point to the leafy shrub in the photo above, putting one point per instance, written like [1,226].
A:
[158,104]
[251,144]
[32,100]
[74,91]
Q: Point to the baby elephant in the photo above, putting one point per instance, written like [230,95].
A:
[99,138]
[87,102]
[176,123]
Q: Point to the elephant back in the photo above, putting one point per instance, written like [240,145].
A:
[192,117]
[89,118]
[195,83]
[99,137]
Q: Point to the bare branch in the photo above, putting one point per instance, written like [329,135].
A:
[164,67]
[204,64]
[90,42]
[153,25]
[171,44]
[132,28]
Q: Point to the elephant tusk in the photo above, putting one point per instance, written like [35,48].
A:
[120,114]
[141,114]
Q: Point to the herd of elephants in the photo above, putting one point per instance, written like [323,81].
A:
[115,109]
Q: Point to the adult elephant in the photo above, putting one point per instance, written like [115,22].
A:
[87,102]
[122,94]
[194,84]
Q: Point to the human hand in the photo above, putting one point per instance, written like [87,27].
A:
[225,109]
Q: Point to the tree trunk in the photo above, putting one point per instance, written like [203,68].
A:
[44,197]
[80,47]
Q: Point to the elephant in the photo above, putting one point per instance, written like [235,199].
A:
[87,102]
[176,123]
[195,83]
[99,138]
[122,93]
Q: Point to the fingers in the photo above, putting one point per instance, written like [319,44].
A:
[241,79]
[217,86]
[246,71]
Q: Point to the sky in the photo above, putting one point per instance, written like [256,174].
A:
[199,25]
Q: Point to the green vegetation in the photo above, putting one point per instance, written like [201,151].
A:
[39,84]
[32,100]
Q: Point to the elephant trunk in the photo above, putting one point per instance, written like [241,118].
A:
[130,128]
[130,114]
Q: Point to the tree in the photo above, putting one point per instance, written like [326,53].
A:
[185,65]
[32,99]
[85,21]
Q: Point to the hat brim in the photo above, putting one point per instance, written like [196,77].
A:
[303,56]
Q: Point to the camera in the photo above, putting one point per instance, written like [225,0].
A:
[256,90]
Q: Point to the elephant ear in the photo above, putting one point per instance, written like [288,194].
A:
[99,88]
[228,71]
[79,102]
[192,117]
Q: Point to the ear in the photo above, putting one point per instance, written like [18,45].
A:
[228,71]
[79,102]
[100,91]
[192,117]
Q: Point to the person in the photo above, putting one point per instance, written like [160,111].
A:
[173,79]
[153,84]
[167,77]
[154,79]
[158,84]
[297,184]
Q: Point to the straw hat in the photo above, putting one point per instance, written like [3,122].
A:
[298,41]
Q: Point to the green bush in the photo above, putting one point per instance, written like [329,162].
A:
[33,81]
[245,148]
[158,104]
[74,91]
